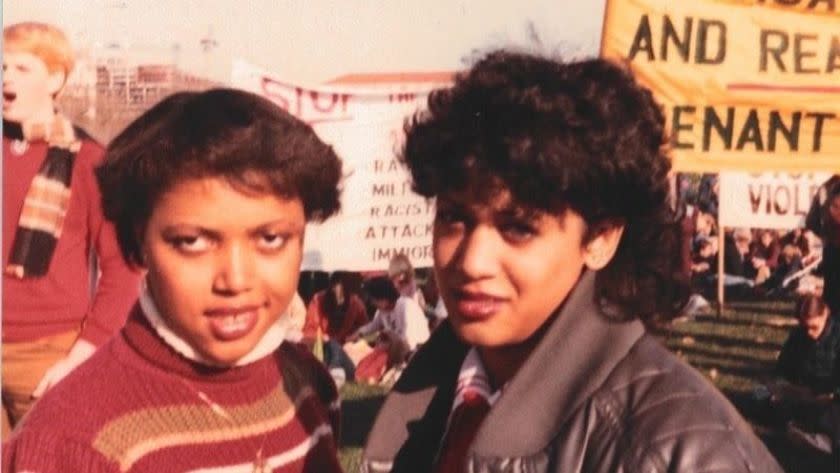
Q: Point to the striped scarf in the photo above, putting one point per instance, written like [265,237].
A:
[46,202]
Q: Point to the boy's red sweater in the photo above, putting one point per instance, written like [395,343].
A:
[63,300]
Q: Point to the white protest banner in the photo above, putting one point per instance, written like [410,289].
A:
[380,216]
[767,200]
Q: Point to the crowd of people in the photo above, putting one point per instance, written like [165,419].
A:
[188,347]
[761,262]
[798,264]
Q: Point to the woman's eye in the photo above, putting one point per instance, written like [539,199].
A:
[271,241]
[518,232]
[191,243]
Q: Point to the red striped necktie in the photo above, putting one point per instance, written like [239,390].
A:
[466,419]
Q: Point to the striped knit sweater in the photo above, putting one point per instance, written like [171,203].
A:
[138,406]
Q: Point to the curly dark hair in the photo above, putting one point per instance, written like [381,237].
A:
[236,135]
[583,136]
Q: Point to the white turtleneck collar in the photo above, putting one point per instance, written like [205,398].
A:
[269,342]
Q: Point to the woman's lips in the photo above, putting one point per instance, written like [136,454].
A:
[477,305]
[229,324]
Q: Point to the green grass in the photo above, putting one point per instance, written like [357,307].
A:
[360,403]
[735,350]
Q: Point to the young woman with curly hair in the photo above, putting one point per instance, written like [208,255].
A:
[554,245]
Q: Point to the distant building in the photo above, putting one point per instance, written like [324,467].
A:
[111,85]
[139,86]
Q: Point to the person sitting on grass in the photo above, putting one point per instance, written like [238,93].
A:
[784,279]
[809,362]
[333,315]
[764,255]
[401,273]
[553,243]
[808,370]
[210,193]
[806,397]
[400,326]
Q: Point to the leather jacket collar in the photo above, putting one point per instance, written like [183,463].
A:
[579,350]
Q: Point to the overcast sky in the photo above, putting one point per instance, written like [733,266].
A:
[310,41]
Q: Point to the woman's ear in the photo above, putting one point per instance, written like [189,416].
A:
[599,251]
[55,82]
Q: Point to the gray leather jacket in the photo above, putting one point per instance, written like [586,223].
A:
[594,396]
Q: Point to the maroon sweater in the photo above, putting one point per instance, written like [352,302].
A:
[138,406]
[337,327]
[63,300]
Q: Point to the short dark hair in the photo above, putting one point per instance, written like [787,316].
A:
[382,288]
[226,133]
[810,306]
[583,136]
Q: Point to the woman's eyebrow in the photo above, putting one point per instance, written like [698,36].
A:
[517,212]
[282,225]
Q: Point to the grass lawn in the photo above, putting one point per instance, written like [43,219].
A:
[359,405]
[735,351]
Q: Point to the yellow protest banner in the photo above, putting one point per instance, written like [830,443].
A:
[749,85]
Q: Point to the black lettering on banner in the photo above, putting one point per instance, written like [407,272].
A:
[819,119]
[750,133]
[776,49]
[384,189]
[833,61]
[643,41]
[415,209]
[677,126]
[415,253]
[804,57]
[799,54]
[720,125]
[709,40]
[706,30]
[724,131]
[777,125]
[407,230]
[669,35]
[386,165]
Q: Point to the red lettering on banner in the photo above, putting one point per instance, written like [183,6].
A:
[755,199]
[310,106]
[335,99]
[399,98]
[272,90]
[780,199]
[782,194]
[299,102]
